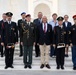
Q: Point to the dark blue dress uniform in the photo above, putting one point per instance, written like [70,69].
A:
[73,41]
[10,38]
[59,39]
[67,28]
[19,28]
[2,23]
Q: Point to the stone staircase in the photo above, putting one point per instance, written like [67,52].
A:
[18,62]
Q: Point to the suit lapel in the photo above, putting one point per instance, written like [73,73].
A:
[42,27]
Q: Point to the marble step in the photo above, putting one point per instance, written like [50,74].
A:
[37,62]
[36,68]
[16,57]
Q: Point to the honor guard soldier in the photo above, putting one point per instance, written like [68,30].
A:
[28,38]
[23,15]
[59,42]
[73,42]
[10,39]
[2,22]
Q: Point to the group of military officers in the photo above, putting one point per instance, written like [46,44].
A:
[55,35]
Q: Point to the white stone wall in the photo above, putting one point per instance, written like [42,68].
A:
[67,7]
[61,7]
[15,6]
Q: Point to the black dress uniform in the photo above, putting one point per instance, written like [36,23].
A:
[60,41]
[2,23]
[10,38]
[19,28]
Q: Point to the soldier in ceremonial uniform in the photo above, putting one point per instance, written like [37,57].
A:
[2,22]
[10,39]
[28,39]
[60,42]
[73,42]
[23,15]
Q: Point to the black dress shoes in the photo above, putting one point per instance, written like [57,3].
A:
[58,67]
[11,66]
[74,68]
[25,66]
[48,66]
[29,66]
[62,67]
[6,67]
[20,55]
[42,66]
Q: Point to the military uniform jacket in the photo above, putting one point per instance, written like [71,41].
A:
[73,35]
[68,32]
[20,25]
[59,35]
[10,33]
[28,34]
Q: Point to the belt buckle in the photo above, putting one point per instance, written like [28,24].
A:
[10,45]
[61,45]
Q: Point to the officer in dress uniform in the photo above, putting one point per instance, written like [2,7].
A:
[73,42]
[10,39]
[67,26]
[23,15]
[2,22]
[28,39]
[60,42]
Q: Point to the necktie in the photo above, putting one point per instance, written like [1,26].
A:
[44,28]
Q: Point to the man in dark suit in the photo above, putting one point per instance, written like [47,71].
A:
[23,15]
[59,41]
[44,40]
[2,22]
[38,22]
[9,39]
[67,26]
[73,42]
[28,40]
